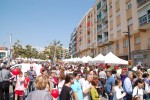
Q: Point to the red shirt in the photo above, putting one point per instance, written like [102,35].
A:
[26,82]
[41,69]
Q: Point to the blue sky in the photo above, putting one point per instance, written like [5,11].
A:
[39,22]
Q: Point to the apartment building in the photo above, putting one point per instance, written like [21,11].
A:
[142,36]
[65,53]
[72,44]
[104,28]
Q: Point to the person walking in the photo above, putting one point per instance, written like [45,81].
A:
[32,75]
[26,84]
[5,75]
[93,91]
[41,83]
[109,85]
[127,86]
[66,92]
[138,89]
[118,90]
[19,89]
[86,86]
[76,87]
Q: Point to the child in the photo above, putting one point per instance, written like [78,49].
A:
[26,83]
[19,89]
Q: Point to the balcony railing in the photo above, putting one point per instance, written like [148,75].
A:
[103,3]
[144,19]
[99,29]
[104,15]
[142,2]
[99,41]
[106,38]
[104,27]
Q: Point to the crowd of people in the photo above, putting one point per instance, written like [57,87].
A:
[76,82]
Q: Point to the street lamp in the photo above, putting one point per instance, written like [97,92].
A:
[129,36]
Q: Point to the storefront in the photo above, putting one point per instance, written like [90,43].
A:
[142,56]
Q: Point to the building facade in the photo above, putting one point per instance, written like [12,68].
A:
[104,29]
[72,44]
[64,53]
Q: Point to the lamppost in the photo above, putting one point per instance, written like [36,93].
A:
[129,36]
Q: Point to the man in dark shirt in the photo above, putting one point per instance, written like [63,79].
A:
[5,75]
[67,93]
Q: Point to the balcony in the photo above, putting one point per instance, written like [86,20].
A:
[99,21]
[99,30]
[104,3]
[144,19]
[142,2]
[104,15]
[104,27]
[99,41]
[106,38]
[99,33]
[89,45]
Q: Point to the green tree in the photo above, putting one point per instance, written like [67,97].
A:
[17,49]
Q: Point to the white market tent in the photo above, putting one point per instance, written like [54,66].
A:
[77,60]
[110,58]
[87,59]
[99,59]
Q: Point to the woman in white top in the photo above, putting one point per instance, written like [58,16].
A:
[118,90]
[138,91]
[61,81]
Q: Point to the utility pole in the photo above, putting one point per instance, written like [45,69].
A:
[10,54]
[129,36]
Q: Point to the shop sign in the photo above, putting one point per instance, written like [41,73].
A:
[138,56]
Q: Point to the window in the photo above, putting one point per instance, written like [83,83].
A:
[117,46]
[99,5]
[125,43]
[143,19]
[129,5]
[130,22]
[2,55]
[137,40]
[148,12]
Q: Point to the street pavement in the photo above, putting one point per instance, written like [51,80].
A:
[10,92]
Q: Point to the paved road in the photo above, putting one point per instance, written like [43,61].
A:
[10,93]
